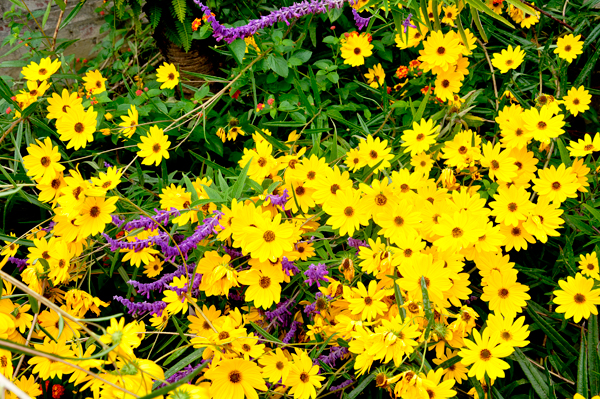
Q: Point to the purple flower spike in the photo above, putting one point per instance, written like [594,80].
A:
[280,200]
[316,274]
[284,14]
[407,23]
[140,308]
[360,22]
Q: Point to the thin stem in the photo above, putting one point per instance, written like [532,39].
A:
[487,57]
[60,16]
[35,316]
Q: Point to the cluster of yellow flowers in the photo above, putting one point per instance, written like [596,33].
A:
[390,247]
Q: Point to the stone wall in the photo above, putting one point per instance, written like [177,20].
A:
[85,27]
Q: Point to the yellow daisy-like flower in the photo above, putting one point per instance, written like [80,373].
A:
[576,298]
[303,377]
[268,238]
[27,385]
[276,366]
[542,124]
[375,151]
[504,294]
[584,147]
[512,332]
[420,137]
[557,184]
[47,368]
[367,303]
[60,104]
[77,126]
[485,355]
[348,213]
[236,378]
[577,100]
[94,82]
[569,47]
[168,75]
[130,121]
[589,265]
[414,37]
[176,300]
[447,84]
[440,51]
[376,76]
[356,48]
[450,14]
[95,215]
[42,162]
[41,71]
[154,147]
[508,59]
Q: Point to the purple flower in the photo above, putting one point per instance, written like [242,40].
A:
[280,200]
[107,165]
[289,267]
[284,14]
[316,274]
[182,373]
[232,252]
[117,221]
[288,337]
[356,243]
[341,386]
[407,23]
[281,312]
[20,263]
[312,308]
[360,21]
[335,353]
[140,308]
[162,283]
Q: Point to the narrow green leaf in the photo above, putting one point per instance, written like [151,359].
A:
[240,183]
[46,15]
[361,387]
[314,87]
[197,354]
[593,211]
[450,362]
[481,6]
[582,377]
[179,330]
[72,14]
[264,333]
[61,325]
[554,335]
[399,301]
[175,355]
[564,154]
[592,354]
[212,164]
[475,16]
[165,390]
[536,379]
[61,4]
[190,187]
[35,307]
[424,11]
[436,16]
[475,383]
[589,66]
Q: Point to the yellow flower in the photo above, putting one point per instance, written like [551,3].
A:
[269,238]
[485,354]
[58,105]
[47,368]
[127,337]
[569,47]
[177,300]
[447,84]
[420,137]
[154,147]
[504,294]
[589,265]
[542,124]
[577,298]
[584,147]
[77,126]
[557,184]
[42,162]
[41,71]
[376,76]
[303,377]
[94,82]
[450,14]
[264,288]
[276,366]
[440,51]
[577,100]
[236,378]
[356,48]
[348,213]
[95,215]
[130,122]
[168,75]
[508,59]
[368,303]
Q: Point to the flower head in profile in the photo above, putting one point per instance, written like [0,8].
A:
[154,147]
[569,47]
[584,147]
[508,59]
[130,122]
[168,75]
[94,82]
[375,76]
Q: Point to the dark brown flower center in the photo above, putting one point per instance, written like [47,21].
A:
[568,48]
[579,298]
[235,376]
[156,148]
[368,301]
[42,71]
[485,355]
[94,211]
[457,232]
[441,50]
[556,185]
[348,211]
[269,236]
[264,282]
[503,293]
[398,221]
[304,377]
[262,161]
[334,188]
[445,83]
[380,200]
[512,207]
[79,128]
[171,76]
[357,50]
[279,365]
[45,161]
[541,125]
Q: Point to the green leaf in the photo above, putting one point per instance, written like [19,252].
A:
[582,377]
[592,354]
[238,50]
[278,65]
[10,191]
[264,333]
[61,325]
[46,14]
[564,154]
[197,354]
[240,183]
[361,387]
[61,4]
[35,307]
[72,14]
[450,362]
[212,164]
[589,66]
[593,211]
[481,6]
[175,355]
[179,8]
[171,387]
[475,383]
[536,379]
[190,187]
[554,335]
[475,16]
[274,142]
